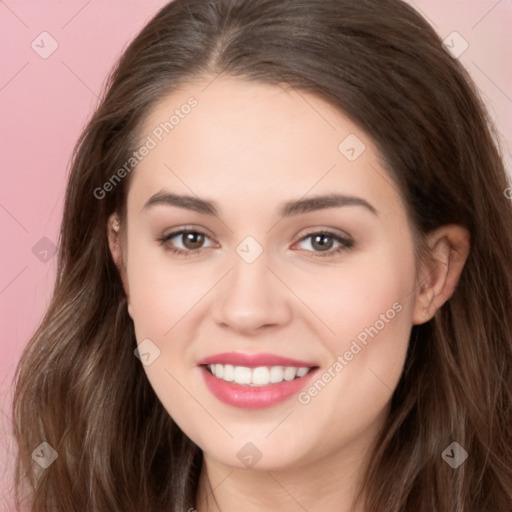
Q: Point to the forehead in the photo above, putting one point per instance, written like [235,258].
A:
[229,138]
[243,109]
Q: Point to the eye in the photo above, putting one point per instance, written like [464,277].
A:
[191,242]
[188,242]
[322,242]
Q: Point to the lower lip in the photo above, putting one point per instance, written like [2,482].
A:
[254,397]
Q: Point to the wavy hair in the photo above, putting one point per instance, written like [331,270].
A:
[78,385]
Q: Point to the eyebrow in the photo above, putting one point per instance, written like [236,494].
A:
[289,208]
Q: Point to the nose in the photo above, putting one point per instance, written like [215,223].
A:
[251,299]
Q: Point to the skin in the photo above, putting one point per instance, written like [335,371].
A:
[249,147]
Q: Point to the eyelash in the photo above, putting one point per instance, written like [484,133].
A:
[345,243]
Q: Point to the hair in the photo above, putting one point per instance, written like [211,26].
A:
[78,385]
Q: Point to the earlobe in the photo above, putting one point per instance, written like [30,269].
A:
[113,227]
[449,248]
[116,249]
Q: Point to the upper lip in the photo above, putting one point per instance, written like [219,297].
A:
[254,360]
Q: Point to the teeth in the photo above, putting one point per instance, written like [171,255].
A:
[260,376]
[227,374]
[290,373]
[302,371]
[276,374]
[242,375]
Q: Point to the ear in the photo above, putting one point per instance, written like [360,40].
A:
[117,249]
[449,248]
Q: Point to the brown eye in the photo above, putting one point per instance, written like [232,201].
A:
[186,242]
[326,243]
[192,239]
[322,242]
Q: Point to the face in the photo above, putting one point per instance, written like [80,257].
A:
[325,284]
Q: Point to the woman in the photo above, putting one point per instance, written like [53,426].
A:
[284,276]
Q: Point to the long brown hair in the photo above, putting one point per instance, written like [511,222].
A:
[78,385]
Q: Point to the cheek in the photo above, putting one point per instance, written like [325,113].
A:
[367,307]
[354,295]
[374,323]
[161,298]
[161,293]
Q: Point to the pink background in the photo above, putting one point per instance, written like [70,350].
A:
[45,103]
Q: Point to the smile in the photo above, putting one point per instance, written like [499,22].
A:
[260,376]
[253,388]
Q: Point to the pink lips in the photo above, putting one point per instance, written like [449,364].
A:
[254,397]
[253,360]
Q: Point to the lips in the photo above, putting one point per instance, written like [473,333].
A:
[249,391]
[254,360]
[250,397]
